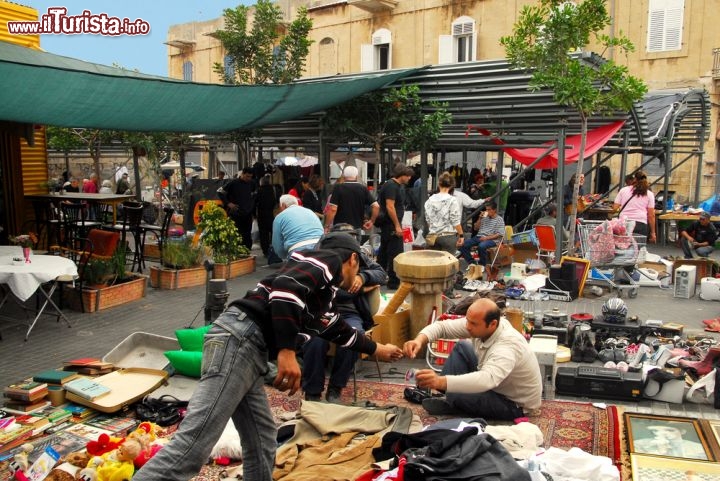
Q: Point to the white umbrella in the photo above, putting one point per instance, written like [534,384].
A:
[287,161]
[308,161]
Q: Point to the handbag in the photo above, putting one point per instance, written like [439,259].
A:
[430,239]
[163,411]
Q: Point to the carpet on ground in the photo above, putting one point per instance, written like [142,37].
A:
[564,425]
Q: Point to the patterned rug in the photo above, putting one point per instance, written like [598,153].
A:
[563,424]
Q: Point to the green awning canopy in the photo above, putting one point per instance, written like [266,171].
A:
[43,88]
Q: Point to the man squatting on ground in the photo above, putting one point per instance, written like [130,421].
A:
[494,374]
[272,321]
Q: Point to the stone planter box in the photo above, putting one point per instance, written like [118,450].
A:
[99,298]
[234,269]
[166,278]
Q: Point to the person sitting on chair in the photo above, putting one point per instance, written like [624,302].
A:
[699,238]
[491,230]
[550,218]
[493,373]
[354,308]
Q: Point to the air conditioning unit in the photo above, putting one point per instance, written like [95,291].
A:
[685,281]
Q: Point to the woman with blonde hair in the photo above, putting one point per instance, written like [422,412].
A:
[636,202]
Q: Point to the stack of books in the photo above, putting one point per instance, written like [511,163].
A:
[80,413]
[88,365]
[12,433]
[55,377]
[25,396]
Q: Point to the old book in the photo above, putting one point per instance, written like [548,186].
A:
[86,388]
[27,390]
[23,407]
[14,437]
[91,433]
[119,426]
[55,376]
[88,365]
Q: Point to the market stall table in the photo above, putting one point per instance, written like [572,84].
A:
[663,219]
[22,280]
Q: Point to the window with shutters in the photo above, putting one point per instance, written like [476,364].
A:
[187,71]
[463,34]
[378,54]
[459,46]
[665,25]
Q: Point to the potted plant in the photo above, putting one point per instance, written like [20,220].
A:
[107,284]
[182,266]
[220,235]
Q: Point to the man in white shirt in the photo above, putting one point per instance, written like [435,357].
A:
[493,373]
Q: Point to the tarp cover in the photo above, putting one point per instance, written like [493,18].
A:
[596,138]
[43,88]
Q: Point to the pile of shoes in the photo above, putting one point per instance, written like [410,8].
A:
[582,349]
[478,285]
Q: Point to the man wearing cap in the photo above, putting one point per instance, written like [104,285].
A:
[123,185]
[285,309]
[294,228]
[349,202]
[699,237]
[392,208]
[354,308]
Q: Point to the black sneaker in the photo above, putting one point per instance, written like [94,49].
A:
[313,397]
[438,406]
[333,395]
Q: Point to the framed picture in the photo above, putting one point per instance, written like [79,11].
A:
[666,436]
[653,468]
[711,428]
[583,269]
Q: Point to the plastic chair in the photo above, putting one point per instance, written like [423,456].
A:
[546,242]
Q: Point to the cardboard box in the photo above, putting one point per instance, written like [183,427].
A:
[671,391]
[524,251]
[393,328]
[657,266]
[705,267]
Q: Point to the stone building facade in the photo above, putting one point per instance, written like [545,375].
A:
[676,48]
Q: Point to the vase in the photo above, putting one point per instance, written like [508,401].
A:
[26,254]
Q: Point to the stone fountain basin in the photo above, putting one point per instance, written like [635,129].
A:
[425,266]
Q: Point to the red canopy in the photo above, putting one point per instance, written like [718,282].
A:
[596,138]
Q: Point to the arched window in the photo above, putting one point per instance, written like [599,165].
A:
[378,55]
[187,70]
[328,57]
[460,45]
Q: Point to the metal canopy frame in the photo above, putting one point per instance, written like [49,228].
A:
[490,95]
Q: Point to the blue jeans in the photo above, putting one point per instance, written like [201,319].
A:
[687,248]
[482,247]
[315,355]
[488,404]
[231,386]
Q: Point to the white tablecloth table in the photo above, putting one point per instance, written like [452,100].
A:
[25,279]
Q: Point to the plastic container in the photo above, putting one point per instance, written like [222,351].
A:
[142,349]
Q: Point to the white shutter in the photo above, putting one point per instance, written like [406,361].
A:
[367,58]
[463,28]
[445,49]
[665,25]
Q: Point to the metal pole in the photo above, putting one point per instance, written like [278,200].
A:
[559,193]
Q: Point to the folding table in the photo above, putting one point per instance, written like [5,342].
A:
[25,279]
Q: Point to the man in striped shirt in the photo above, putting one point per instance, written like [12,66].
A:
[272,321]
[491,229]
